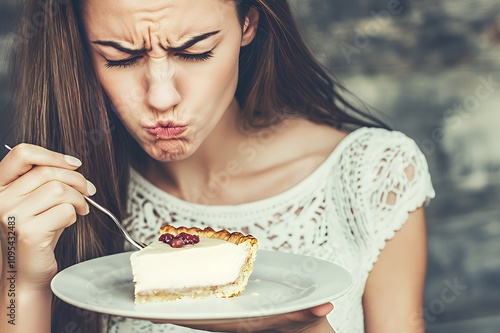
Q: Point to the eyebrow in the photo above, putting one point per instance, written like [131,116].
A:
[143,50]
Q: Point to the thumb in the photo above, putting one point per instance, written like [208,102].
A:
[321,310]
[310,314]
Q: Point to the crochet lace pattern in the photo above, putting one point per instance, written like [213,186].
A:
[344,212]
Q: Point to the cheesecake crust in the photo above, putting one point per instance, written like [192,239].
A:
[233,237]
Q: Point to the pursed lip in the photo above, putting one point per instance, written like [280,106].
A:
[166,129]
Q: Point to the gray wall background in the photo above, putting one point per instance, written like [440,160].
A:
[433,69]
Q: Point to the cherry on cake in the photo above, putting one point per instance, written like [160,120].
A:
[193,263]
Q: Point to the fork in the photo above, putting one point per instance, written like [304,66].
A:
[137,244]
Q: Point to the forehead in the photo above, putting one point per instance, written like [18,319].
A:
[128,19]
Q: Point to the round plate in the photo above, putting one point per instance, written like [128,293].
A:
[280,283]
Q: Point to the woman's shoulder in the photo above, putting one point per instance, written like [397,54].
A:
[371,141]
[371,151]
[386,165]
[365,146]
[325,142]
[364,150]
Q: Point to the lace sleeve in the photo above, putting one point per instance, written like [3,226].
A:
[395,181]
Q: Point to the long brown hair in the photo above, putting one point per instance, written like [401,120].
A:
[58,105]
[279,76]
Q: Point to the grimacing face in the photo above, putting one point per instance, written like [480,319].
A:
[170,67]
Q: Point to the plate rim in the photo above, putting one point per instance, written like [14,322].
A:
[199,317]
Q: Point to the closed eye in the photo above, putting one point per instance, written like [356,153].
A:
[196,57]
[132,61]
[122,63]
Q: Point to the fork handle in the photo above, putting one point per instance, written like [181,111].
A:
[137,244]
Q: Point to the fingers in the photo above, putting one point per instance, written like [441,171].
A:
[286,322]
[321,310]
[55,219]
[310,314]
[50,195]
[46,228]
[24,156]
[57,236]
[41,175]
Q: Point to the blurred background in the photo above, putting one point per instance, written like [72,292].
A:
[432,67]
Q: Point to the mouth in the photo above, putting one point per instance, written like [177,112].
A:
[166,130]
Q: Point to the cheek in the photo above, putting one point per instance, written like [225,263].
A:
[213,84]
[226,77]
[123,89]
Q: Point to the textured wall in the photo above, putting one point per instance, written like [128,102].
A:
[432,68]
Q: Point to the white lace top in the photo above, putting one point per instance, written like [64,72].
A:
[340,213]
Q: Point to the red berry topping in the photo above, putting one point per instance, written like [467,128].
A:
[180,240]
[177,242]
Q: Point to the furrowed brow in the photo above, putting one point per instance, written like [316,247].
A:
[192,41]
[120,47]
[183,47]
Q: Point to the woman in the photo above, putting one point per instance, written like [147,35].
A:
[201,99]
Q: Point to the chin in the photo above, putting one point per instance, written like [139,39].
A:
[169,150]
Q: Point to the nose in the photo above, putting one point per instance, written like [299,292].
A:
[162,94]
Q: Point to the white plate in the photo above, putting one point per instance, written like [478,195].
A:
[280,283]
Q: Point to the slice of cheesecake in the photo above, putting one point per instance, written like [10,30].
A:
[193,263]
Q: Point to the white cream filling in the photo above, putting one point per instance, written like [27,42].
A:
[211,262]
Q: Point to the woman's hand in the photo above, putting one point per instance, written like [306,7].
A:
[311,320]
[40,195]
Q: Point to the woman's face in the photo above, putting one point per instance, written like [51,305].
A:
[170,67]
